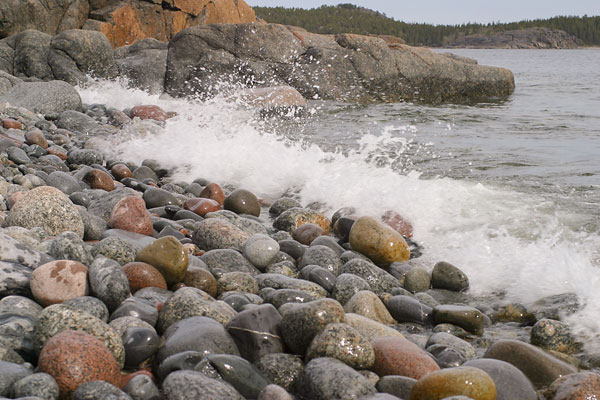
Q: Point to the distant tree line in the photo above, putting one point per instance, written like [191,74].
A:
[348,18]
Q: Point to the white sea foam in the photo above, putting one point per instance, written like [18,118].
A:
[521,245]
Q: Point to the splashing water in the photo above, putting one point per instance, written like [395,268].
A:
[519,244]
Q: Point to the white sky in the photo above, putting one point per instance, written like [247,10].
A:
[457,11]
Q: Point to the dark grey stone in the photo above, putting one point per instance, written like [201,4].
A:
[141,387]
[379,280]
[510,382]
[238,372]
[64,182]
[14,279]
[18,156]
[399,386]
[256,332]
[140,344]
[447,276]
[283,369]
[39,384]
[280,297]
[228,260]
[85,157]
[322,256]
[89,304]
[138,308]
[466,317]
[283,204]
[200,334]
[346,286]
[408,309]
[278,281]
[69,246]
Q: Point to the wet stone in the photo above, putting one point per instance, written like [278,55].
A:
[282,369]
[58,281]
[64,182]
[323,278]
[238,372]
[510,382]
[582,385]
[399,386]
[466,317]
[417,280]
[141,387]
[140,344]
[18,156]
[447,276]
[446,356]
[215,233]
[398,356]
[155,197]
[242,201]
[283,204]
[98,179]
[367,304]
[277,281]
[347,285]
[141,275]
[449,340]
[556,307]
[538,366]
[85,156]
[294,217]
[99,390]
[378,241]
[168,256]
[280,297]
[255,332]
[329,379]
[322,256]
[138,308]
[342,342]
[260,249]
[237,281]
[554,335]
[293,248]
[407,309]
[330,242]
[142,173]
[185,360]
[201,278]
[200,334]
[462,381]
[306,233]
[379,280]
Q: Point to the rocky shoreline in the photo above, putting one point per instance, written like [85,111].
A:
[531,38]
[118,282]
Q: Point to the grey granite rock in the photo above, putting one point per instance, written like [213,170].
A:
[108,282]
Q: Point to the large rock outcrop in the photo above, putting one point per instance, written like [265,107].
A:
[122,21]
[531,38]
[344,67]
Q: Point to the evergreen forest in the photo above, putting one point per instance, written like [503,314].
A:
[348,18]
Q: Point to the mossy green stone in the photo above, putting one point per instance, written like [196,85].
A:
[168,256]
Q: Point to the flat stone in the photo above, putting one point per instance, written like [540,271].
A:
[344,343]
[329,379]
[398,356]
[462,381]
[280,297]
[278,281]
[369,328]
[446,339]
[378,241]
[540,367]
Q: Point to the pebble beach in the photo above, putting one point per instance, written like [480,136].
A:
[118,281]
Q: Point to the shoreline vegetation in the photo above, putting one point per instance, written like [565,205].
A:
[348,18]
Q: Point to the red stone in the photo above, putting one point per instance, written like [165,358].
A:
[98,179]
[121,171]
[10,123]
[75,357]
[398,223]
[130,214]
[58,281]
[214,192]
[149,112]
[141,275]
[57,152]
[36,136]
[579,386]
[306,233]
[399,356]
[202,206]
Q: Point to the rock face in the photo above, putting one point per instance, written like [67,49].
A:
[122,21]
[531,38]
[323,66]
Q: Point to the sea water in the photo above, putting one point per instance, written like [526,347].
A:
[507,191]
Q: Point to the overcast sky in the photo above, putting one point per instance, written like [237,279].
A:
[457,11]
